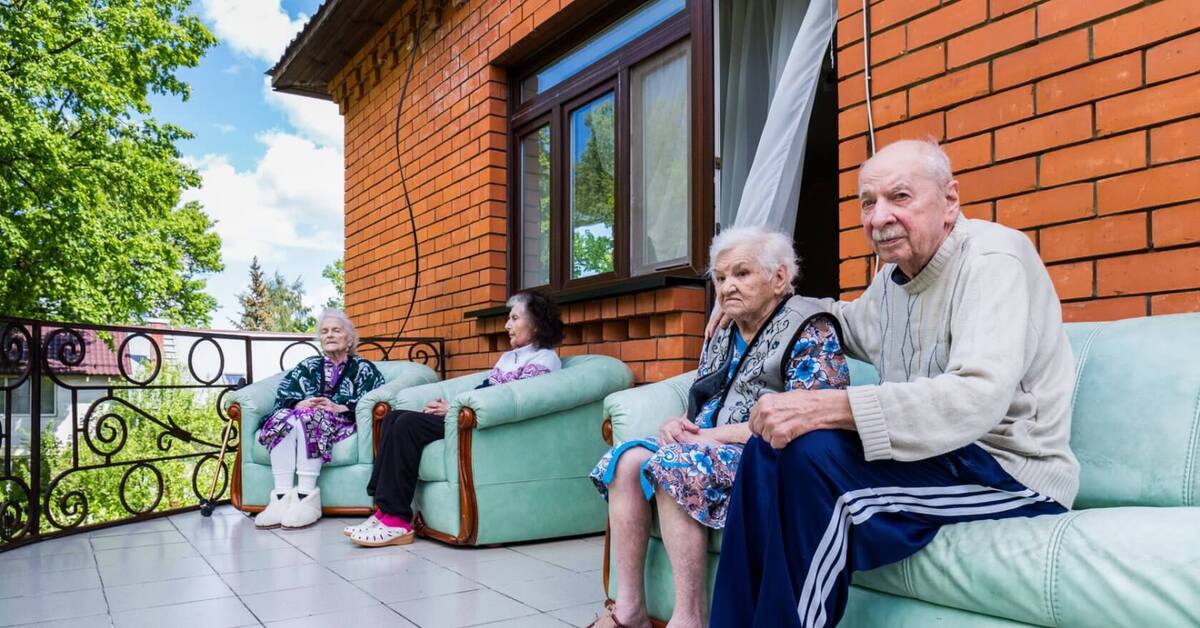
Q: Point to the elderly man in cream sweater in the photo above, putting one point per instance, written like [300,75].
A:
[971,420]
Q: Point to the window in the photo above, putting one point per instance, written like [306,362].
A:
[603,155]
[21,398]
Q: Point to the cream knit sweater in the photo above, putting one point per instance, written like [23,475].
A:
[971,350]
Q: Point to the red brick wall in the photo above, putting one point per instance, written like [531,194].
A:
[453,144]
[1076,121]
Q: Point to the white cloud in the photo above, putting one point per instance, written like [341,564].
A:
[224,127]
[259,28]
[317,120]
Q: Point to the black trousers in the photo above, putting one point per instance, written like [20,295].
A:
[403,436]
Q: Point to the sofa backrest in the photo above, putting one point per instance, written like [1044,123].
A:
[1135,424]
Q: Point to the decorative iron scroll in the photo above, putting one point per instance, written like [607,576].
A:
[136,423]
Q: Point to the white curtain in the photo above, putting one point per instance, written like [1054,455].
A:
[771,54]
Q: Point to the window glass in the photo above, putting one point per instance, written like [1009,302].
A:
[20,398]
[535,208]
[659,179]
[601,45]
[592,187]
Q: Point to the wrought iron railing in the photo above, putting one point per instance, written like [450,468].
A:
[106,424]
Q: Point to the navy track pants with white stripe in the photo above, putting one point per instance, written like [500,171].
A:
[803,518]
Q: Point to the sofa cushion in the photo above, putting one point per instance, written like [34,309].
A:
[1136,412]
[433,463]
[1105,567]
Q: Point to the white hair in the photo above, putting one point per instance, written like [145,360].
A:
[934,161]
[347,326]
[771,249]
[521,298]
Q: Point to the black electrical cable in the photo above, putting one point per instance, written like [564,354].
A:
[412,217]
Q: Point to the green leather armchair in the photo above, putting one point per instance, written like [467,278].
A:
[515,460]
[1128,555]
[343,480]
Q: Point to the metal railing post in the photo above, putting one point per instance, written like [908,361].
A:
[35,432]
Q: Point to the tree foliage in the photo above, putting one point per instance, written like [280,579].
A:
[273,304]
[90,183]
[335,272]
[594,194]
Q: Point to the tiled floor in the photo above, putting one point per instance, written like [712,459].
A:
[186,570]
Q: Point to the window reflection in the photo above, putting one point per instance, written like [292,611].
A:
[592,187]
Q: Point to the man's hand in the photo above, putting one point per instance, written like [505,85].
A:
[718,320]
[437,407]
[780,418]
[676,429]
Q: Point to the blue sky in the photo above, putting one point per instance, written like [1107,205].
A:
[271,163]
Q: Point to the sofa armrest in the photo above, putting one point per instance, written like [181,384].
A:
[582,380]
[639,412]
[401,376]
[256,401]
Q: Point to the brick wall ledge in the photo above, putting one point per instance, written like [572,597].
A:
[630,286]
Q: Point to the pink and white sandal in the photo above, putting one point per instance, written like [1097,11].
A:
[371,522]
[382,535]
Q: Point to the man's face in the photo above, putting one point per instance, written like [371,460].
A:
[905,213]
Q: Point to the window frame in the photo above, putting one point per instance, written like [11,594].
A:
[612,72]
[47,384]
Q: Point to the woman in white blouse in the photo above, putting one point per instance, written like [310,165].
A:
[534,328]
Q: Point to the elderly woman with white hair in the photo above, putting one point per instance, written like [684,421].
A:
[534,329]
[777,342]
[314,408]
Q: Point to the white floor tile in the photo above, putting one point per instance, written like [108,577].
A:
[141,527]
[134,572]
[434,582]
[280,579]
[370,616]
[25,610]
[533,621]
[146,553]
[226,612]
[22,583]
[462,609]
[519,568]
[256,560]
[91,621]
[577,555]
[555,593]
[38,563]
[581,615]
[292,603]
[380,565]
[239,543]
[165,593]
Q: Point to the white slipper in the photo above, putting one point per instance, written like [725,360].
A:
[381,535]
[272,515]
[303,512]
[371,522]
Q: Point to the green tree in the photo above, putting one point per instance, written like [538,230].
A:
[273,304]
[594,194]
[90,182]
[335,272]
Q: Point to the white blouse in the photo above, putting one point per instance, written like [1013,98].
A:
[523,363]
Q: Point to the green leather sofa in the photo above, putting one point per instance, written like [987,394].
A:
[514,463]
[343,481]
[1128,555]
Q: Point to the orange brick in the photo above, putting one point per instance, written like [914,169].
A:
[997,36]
[593,332]
[888,45]
[639,327]
[1175,303]
[852,152]
[852,273]
[658,325]
[614,330]
[1099,236]
[1163,271]
[946,21]
[1146,25]
[679,299]
[1175,141]
[677,347]
[639,350]
[1144,107]
[885,110]
[1173,58]
[1038,134]
[1090,82]
[853,243]
[1046,58]
[979,211]
[851,91]
[1176,225]
[931,126]
[1004,7]
[849,30]
[850,295]
[1047,207]
[1094,159]
[991,112]
[850,60]
[949,89]
[972,152]
[848,183]
[1104,309]
[659,370]
[1164,185]
[889,12]
[639,371]
[685,323]
[908,69]
[1072,281]
[996,181]
[610,349]
[1059,15]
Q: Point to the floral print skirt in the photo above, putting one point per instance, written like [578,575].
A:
[698,476]
[321,429]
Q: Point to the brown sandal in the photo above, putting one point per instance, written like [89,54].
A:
[608,619]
